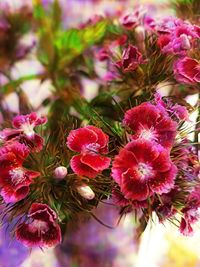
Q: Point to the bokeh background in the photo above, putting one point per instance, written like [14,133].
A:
[92,243]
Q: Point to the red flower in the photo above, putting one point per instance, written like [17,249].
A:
[131,59]
[143,168]
[91,142]
[24,130]
[187,70]
[150,123]
[27,123]
[14,178]
[42,229]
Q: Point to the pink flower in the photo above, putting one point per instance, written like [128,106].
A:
[92,143]
[190,212]
[131,59]
[14,178]
[150,123]
[142,168]
[187,70]
[131,20]
[24,130]
[41,230]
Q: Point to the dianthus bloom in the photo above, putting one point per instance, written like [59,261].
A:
[151,123]
[131,59]
[190,212]
[187,70]
[14,178]
[41,230]
[92,143]
[24,129]
[142,168]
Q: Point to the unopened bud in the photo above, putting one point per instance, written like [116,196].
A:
[140,34]
[86,192]
[60,172]
[185,42]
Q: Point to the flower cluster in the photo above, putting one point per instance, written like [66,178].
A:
[15,180]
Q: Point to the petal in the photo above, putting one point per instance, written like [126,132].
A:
[42,212]
[52,237]
[135,121]
[79,138]
[10,195]
[133,187]
[29,238]
[81,169]
[102,137]
[162,163]
[95,161]
[163,182]
[20,120]
[143,150]
[122,162]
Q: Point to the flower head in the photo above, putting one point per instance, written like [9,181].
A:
[187,70]
[131,59]
[92,143]
[24,130]
[14,178]
[142,168]
[153,125]
[41,230]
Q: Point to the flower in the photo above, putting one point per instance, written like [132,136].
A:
[24,130]
[92,143]
[187,70]
[142,168]
[131,59]
[14,178]
[154,124]
[190,212]
[41,230]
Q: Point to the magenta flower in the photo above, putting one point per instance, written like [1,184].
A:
[131,59]
[92,143]
[14,178]
[187,70]
[153,125]
[24,130]
[41,230]
[131,20]
[142,168]
[190,212]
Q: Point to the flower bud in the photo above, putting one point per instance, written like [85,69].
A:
[185,42]
[86,192]
[140,34]
[60,172]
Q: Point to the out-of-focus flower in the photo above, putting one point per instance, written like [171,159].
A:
[154,125]
[92,143]
[14,178]
[131,20]
[41,230]
[190,212]
[187,70]
[131,59]
[142,168]
[24,129]
[177,36]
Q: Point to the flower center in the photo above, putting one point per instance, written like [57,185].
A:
[28,129]
[148,134]
[92,148]
[17,175]
[39,226]
[144,170]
